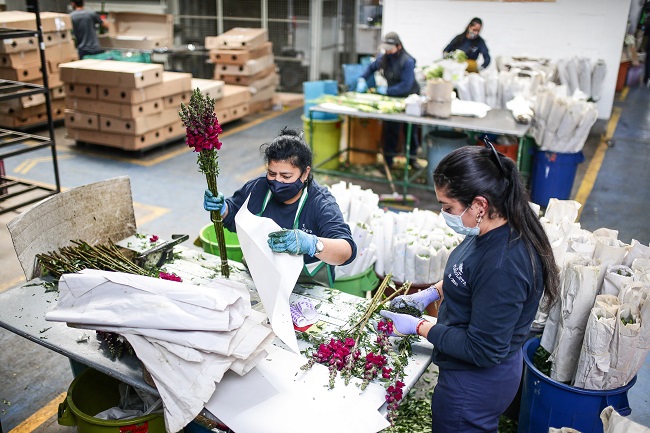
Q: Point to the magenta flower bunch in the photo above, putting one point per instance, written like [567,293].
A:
[170,277]
[364,352]
[202,131]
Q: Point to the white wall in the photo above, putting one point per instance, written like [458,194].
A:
[565,28]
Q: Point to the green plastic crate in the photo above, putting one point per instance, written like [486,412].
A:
[359,284]
[122,56]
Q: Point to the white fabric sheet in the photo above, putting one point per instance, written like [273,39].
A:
[275,274]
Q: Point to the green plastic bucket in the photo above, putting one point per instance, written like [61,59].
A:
[209,243]
[358,284]
[93,392]
[327,139]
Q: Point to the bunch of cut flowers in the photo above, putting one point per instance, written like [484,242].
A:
[364,350]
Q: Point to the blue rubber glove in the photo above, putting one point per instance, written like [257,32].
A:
[382,90]
[214,204]
[419,300]
[404,324]
[292,242]
[362,86]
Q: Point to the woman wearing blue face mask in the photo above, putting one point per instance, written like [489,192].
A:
[289,196]
[492,287]
[471,44]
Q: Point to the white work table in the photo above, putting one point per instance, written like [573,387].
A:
[23,309]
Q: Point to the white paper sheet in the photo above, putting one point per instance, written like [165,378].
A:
[277,397]
[274,274]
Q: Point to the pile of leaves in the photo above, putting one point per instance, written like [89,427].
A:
[365,102]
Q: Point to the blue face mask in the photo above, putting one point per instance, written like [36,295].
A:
[455,222]
[284,191]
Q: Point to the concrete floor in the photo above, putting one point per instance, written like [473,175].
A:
[167,194]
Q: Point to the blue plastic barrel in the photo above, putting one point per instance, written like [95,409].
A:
[439,144]
[553,175]
[315,89]
[546,403]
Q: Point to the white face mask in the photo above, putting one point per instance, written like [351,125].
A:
[455,222]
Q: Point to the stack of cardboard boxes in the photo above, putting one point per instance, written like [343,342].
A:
[231,101]
[244,57]
[131,106]
[20,61]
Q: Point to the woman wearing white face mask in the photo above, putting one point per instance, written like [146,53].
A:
[492,287]
[313,223]
[471,44]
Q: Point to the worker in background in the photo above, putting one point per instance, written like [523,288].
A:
[398,67]
[312,221]
[492,286]
[83,26]
[472,44]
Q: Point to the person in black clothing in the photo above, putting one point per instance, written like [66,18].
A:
[83,26]
[398,67]
[471,44]
[492,287]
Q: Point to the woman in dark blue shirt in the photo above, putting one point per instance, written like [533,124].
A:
[312,220]
[492,287]
[471,44]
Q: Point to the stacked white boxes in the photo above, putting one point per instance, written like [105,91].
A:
[20,61]
[131,106]
[244,57]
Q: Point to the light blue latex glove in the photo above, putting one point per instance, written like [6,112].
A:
[214,204]
[362,86]
[419,300]
[382,90]
[404,324]
[292,242]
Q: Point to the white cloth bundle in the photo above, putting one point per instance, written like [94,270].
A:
[579,137]
[558,110]
[594,359]
[462,89]
[579,290]
[624,344]
[491,89]
[520,108]
[615,278]
[641,268]
[377,227]
[186,336]
[573,66]
[609,252]
[422,266]
[597,78]
[503,93]
[583,244]
[559,210]
[613,422]
[476,87]
[584,74]
[637,250]
[399,259]
[570,121]
[342,196]
[643,344]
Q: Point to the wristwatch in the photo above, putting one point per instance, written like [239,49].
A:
[319,247]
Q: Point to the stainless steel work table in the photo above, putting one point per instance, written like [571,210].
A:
[497,121]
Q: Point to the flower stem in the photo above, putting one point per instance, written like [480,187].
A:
[211,178]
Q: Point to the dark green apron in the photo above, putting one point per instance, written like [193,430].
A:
[317,273]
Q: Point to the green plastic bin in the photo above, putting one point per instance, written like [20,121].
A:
[121,56]
[359,284]
[93,392]
[327,139]
[209,242]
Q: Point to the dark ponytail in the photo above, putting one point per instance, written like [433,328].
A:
[473,171]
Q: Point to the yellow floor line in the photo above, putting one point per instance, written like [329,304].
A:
[623,94]
[12,283]
[589,179]
[42,415]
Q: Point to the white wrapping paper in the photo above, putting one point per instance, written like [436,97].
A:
[579,292]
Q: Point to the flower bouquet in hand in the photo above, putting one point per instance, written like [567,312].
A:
[202,131]
[365,351]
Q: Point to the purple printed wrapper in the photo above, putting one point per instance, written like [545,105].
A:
[307,309]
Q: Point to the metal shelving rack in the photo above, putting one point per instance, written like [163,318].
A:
[14,143]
